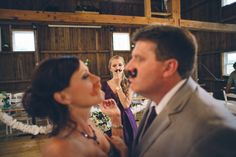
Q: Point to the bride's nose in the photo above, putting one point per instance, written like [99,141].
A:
[95,78]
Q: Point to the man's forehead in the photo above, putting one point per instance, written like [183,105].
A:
[138,52]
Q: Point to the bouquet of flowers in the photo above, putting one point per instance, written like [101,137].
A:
[101,121]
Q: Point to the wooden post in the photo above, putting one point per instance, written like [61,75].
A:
[36,54]
[175,11]
[97,53]
[10,48]
[111,47]
[147,8]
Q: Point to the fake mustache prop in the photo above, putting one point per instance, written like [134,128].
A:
[132,73]
[118,70]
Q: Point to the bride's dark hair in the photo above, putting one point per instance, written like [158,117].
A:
[51,76]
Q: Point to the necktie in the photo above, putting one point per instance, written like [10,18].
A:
[151,117]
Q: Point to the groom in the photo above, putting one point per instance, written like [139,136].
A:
[187,121]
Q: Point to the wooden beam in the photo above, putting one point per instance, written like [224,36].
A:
[68,18]
[147,8]
[161,14]
[209,26]
[102,19]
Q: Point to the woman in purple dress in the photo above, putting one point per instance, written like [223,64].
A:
[117,89]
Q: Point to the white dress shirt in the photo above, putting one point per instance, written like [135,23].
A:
[167,97]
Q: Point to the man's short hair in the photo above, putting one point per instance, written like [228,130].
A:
[172,42]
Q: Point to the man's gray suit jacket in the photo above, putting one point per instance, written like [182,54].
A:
[193,124]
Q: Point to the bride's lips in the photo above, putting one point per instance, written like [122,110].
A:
[96,89]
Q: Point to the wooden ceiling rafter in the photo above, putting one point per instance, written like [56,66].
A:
[77,18]
[105,19]
[209,26]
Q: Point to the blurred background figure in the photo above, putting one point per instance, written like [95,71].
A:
[117,88]
[232,80]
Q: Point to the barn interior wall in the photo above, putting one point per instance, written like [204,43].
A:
[96,45]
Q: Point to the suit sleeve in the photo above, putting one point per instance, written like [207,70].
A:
[215,143]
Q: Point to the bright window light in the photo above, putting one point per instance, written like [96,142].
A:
[121,42]
[23,40]
[227,2]
[229,58]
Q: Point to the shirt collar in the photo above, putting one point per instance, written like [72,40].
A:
[167,97]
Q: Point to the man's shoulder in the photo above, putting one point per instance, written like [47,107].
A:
[233,73]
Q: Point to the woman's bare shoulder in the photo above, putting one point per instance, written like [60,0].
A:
[55,147]
[71,147]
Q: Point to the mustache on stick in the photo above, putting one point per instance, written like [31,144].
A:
[118,70]
[132,73]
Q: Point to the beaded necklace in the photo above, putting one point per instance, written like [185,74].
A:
[93,137]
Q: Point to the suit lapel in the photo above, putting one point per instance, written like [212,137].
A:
[159,124]
[142,123]
[163,120]
[140,130]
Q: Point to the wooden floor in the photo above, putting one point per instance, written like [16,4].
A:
[21,146]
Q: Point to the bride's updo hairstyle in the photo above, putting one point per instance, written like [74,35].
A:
[51,76]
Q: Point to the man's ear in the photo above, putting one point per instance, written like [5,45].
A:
[62,98]
[171,66]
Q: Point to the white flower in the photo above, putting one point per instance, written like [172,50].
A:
[32,129]
[100,120]
[2,96]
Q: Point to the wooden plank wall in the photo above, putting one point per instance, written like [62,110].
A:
[127,7]
[15,70]
[228,14]
[201,10]
[95,44]
[211,44]
[92,44]
[61,5]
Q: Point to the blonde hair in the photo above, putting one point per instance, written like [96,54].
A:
[124,82]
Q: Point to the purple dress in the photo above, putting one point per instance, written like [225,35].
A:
[127,117]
